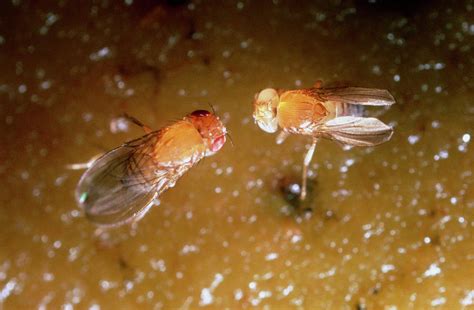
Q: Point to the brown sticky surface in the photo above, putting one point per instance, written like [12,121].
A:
[391,226]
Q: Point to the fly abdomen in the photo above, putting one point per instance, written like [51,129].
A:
[345,109]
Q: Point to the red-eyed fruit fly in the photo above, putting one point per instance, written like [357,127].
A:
[121,185]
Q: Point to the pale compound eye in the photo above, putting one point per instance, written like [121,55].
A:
[267,94]
[269,125]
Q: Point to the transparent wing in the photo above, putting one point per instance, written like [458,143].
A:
[355,95]
[120,186]
[357,131]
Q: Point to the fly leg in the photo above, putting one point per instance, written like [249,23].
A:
[86,165]
[282,137]
[133,120]
[307,161]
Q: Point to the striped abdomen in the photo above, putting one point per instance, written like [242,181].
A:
[346,109]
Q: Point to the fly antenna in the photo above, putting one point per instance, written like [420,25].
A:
[230,138]
[212,108]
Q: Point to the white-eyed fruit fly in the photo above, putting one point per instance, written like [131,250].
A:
[334,113]
[121,185]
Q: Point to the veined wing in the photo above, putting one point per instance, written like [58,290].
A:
[357,131]
[120,186]
[354,95]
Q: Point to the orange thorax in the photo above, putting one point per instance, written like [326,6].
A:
[178,144]
[299,112]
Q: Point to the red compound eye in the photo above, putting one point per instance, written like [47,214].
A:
[200,113]
[218,143]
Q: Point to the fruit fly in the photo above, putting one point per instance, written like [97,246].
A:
[334,113]
[121,185]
